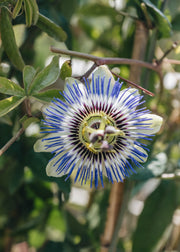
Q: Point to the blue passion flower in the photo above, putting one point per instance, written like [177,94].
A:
[97,130]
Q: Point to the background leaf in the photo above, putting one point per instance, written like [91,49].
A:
[52,29]
[155,218]
[161,21]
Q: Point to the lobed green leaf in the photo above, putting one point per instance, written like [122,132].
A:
[52,29]
[8,104]
[10,88]
[46,77]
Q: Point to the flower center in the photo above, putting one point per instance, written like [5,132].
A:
[98,132]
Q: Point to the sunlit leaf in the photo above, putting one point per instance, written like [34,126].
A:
[10,88]
[9,104]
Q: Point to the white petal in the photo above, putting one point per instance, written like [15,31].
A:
[154,122]
[71,81]
[40,145]
[139,158]
[51,169]
[133,91]
[103,71]
[127,92]
[114,165]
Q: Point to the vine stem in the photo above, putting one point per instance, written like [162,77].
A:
[11,141]
[102,61]
[119,197]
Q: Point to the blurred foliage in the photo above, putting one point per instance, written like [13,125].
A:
[38,209]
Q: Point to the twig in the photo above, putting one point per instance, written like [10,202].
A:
[88,72]
[134,84]
[11,141]
[102,61]
[174,45]
[172,61]
[127,15]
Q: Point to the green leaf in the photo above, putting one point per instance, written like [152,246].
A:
[8,40]
[46,77]
[66,70]
[28,75]
[48,95]
[52,29]
[161,21]
[10,88]
[155,218]
[9,104]
[17,9]
[28,12]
